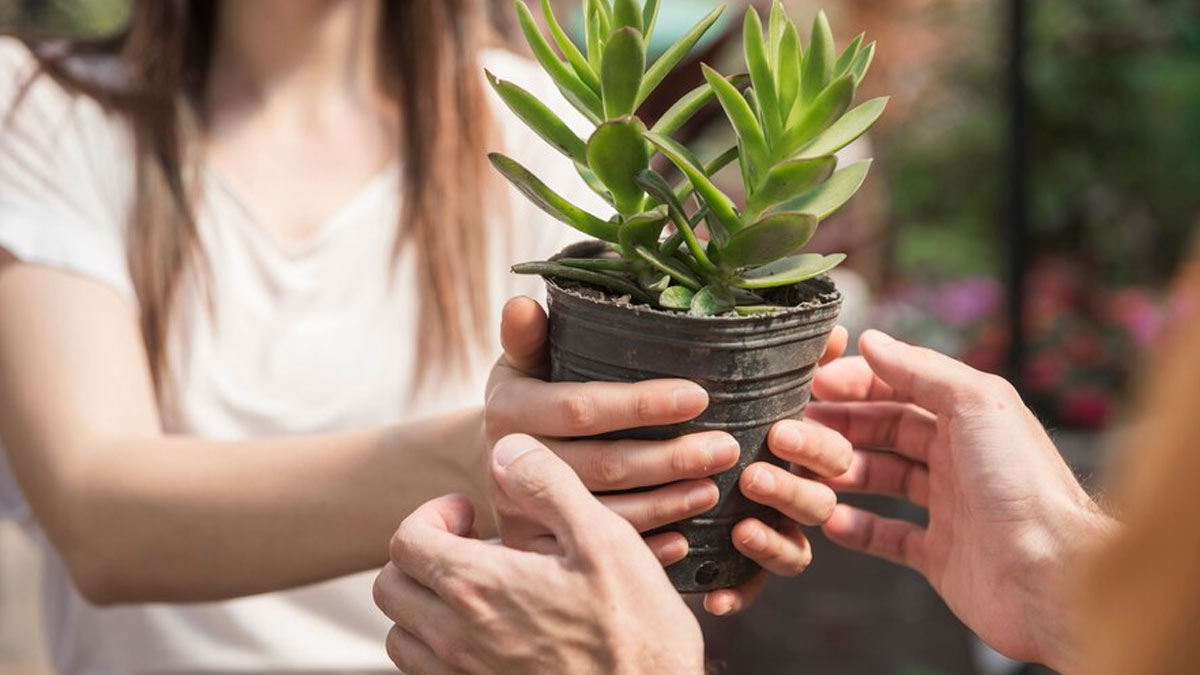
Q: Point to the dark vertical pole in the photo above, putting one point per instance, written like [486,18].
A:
[1015,216]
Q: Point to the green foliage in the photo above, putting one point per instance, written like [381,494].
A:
[791,113]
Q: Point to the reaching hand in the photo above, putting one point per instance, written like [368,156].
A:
[600,604]
[1006,516]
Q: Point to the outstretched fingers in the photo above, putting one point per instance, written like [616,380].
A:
[898,541]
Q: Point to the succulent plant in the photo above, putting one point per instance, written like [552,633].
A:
[791,113]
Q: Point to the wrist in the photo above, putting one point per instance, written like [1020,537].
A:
[1074,535]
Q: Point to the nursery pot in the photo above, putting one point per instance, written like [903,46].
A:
[757,370]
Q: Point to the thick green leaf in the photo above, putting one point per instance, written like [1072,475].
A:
[616,152]
[656,186]
[788,71]
[603,280]
[592,28]
[597,264]
[818,62]
[848,55]
[675,53]
[578,61]
[829,196]
[540,118]
[621,71]
[669,267]
[605,10]
[863,63]
[721,205]
[711,301]
[642,228]
[777,25]
[676,297]
[846,130]
[573,89]
[550,201]
[649,18]
[789,270]
[770,238]
[754,144]
[692,102]
[761,75]
[820,115]
[627,14]
[787,181]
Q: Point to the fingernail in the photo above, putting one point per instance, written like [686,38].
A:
[790,437]
[701,495]
[724,608]
[722,449]
[509,448]
[756,540]
[690,400]
[762,480]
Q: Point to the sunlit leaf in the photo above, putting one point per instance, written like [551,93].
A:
[550,201]
[819,116]
[818,61]
[540,118]
[573,89]
[790,270]
[578,61]
[829,196]
[621,71]
[674,54]
[616,152]
[759,65]
[846,130]
[754,144]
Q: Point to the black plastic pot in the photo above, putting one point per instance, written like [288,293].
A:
[757,370]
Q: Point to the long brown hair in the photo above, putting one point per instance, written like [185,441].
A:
[428,58]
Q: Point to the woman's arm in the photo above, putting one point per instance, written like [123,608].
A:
[138,515]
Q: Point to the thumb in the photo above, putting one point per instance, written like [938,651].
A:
[523,333]
[544,489]
[930,379]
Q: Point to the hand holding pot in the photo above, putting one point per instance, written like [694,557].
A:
[601,605]
[1006,516]
[519,401]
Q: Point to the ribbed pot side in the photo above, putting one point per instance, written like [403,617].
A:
[757,370]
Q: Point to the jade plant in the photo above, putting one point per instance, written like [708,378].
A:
[791,112]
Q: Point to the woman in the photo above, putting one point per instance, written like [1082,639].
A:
[249,261]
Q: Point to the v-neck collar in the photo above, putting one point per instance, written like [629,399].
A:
[338,218]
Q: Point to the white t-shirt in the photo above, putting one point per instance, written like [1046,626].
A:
[304,338]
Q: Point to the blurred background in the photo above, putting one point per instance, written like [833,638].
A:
[1035,193]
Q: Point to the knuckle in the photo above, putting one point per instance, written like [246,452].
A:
[609,467]
[496,411]
[399,544]
[644,407]
[577,411]
[393,647]
[796,564]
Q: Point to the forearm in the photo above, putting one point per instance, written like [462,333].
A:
[182,519]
